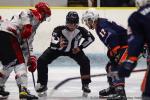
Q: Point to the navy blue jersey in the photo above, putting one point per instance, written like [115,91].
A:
[111,34]
[139,24]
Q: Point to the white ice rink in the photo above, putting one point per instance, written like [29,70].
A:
[72,89]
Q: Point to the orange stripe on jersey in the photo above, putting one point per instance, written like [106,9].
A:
[133,58]
[114,50]
[144,81]
[124,56]
[124,46]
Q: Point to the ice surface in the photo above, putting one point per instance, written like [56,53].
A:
[72,89]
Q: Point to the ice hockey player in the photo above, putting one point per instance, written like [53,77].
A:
[139,29]
[16,36]
[65,41]
[114,38]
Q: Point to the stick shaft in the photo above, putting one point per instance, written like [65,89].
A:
[29,58]
[96,75]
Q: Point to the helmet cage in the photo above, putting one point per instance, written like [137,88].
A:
[89,17]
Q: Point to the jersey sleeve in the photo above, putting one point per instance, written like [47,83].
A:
[55,38]
[112,38]
[88,38]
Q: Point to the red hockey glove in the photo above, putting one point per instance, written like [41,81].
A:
[32,62]
[27,31]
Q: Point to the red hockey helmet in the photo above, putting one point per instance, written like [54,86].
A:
[43,9]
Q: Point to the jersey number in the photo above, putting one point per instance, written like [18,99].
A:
[102,32]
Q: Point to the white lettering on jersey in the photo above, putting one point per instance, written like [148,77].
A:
[102,32]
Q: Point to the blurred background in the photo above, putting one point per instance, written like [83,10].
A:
[71,3]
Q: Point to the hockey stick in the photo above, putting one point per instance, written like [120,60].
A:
[78,77]
[33,79]
[29,56]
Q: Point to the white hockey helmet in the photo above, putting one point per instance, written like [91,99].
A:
[90,14]
[140,3]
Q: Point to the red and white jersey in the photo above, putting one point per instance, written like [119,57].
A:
[15,27]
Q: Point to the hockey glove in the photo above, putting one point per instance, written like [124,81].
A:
[76,50]
[32,62]
[126,68]
[62,43]
[26,31]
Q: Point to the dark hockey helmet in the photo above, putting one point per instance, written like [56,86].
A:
[72,17]
[43,9]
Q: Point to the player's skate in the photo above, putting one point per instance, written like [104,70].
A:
[120,94]
[3,94]
[86,90]
[107,92]
[41,90]
[24,94]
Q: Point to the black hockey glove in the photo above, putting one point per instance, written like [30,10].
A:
[126,68]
